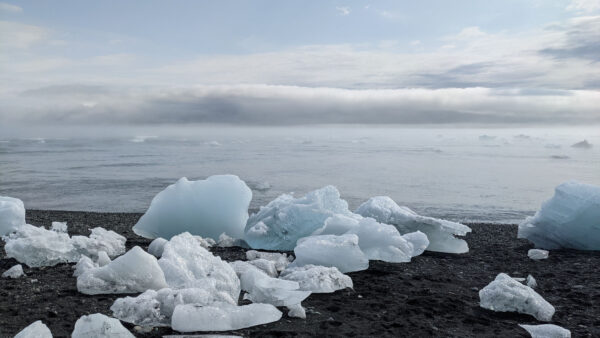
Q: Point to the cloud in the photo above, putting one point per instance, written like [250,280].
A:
[343,11]
[580,39]
[283,105]
[9,8]
[19,36]
[585,6]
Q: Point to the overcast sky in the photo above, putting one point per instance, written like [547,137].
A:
[297,62]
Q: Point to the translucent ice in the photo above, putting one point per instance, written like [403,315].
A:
[187,264]
[155,308]
[12,214]
[537,254]
[35,330]
[440,233]
[342,252]
[281,260]
[317,279]
[505,294]
[570,219]
[265,266]
[14,272]
[279,224]
[546,331]
[157,246]
[531,282]
[98,325]
[136,271]
[205,207]
[100,239]
[222,316]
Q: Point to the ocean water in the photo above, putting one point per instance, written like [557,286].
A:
[465,174]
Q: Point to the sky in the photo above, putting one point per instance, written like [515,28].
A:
[531,62]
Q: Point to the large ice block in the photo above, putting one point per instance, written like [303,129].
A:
[12,214]
[343,252]
[98,325]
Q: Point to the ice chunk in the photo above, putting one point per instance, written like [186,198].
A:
[440,233]
[157,246]
[187,264]
[418,240]
[279,224]
[205,207]
[98,325]
[537,254]
[100,239]
[222,316]
[531,282]
[103,258]
[59,226]
[281,260]
[85,263]
[35,330]
[582,145]
[296,311]
[12,214]
[14,272]
[570,219]
[227,241]
[264,289]
[317,279]
[265,266]
[507,295]
[136,271]
[546,331]
[342,252]
[155,308]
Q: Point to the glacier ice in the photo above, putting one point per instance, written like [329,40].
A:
[265,266]
[12,214]
[281,260]
[155,308]
[505,294]
[537,254]
[135,271]
[59,226]
[36,329]
[546,331]
[317,279]
[186,264]
[570,219]
[531,282]
[225,241]
[205,207]
[343,252]
[98,325]
[157,246]
[14,272]
[279,224]
[440,233]
[582,145]
[85,263]
[222,316]
[296,311]
[37,246]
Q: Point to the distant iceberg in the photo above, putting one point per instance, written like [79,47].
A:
[582,145]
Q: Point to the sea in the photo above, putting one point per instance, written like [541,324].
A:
[467,174]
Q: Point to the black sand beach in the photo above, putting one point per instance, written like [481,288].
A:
[436,295]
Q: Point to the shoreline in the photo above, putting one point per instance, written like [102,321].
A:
[434,295]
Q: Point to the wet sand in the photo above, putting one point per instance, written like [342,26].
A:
[436,295]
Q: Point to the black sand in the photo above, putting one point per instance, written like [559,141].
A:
[433,296]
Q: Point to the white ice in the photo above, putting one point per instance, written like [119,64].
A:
[135,271]
[440,233]
[12,214]
[570,219]
[537,254]
[317,279]
[98,325]
[35,330]
[225,241]
[186,264]
[59,226]
[505,294]
[14,272]
[546,331]
[343,252]
[531,282]
[155,308]
[206,208]
[38,246]
[222,316]
[281,260]
[279,224]
[266,266]
[157,246]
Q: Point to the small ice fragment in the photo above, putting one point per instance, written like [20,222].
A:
[12,214]
[157,246]
[343,252]
[135,271]
[537,254]
[440,233]
[570,219]
[531,282]
[59,226]
[222,316]
[35,330]
[227,241]
[505,294]
[206,207]
[296,311]
[317,279]
[100,239]
[14,272]
[98,325]
[582,145]
[281,260]
[546,331]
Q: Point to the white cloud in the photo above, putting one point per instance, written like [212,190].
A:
[343,11]
[585,6]
[9,8]
[18,35]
